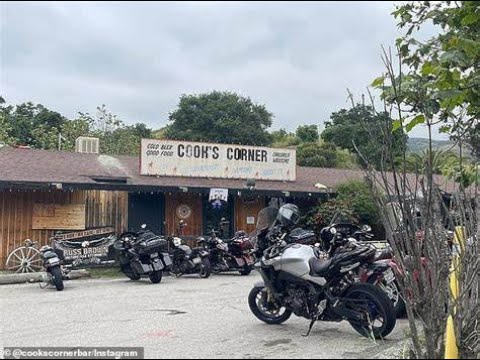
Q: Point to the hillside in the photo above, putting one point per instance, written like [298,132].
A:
[417,145]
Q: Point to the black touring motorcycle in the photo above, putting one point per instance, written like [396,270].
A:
[143,254]
[296,280]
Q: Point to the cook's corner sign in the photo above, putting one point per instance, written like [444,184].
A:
[193,159]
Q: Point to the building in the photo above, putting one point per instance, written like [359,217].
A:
[45,191]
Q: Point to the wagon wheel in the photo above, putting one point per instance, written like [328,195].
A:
[25,259]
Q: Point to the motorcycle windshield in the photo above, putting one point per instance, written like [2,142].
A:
[266,218]
[340,218]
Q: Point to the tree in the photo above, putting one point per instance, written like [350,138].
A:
[437,82]
[4,129]
[360,128]
[222,117]
[362,203]
[317,155]
[116,138]
[281,139]
[33,125]
[73,129]
[308,133]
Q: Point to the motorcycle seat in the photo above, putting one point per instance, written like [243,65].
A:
[318,267]
[384,255]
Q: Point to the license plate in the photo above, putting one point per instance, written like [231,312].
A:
[197,261]
[389,276]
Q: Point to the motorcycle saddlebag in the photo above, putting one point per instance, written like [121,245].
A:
[167,260]
[140,268]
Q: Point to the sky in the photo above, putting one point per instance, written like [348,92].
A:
[298,59]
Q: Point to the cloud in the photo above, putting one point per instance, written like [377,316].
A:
[297,58]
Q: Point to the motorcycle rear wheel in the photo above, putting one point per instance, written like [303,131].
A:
[206,269]
[155,277]
[393,292]
[57,277]
[268,313]
[378,309]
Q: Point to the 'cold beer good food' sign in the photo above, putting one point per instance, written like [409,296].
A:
[192,159]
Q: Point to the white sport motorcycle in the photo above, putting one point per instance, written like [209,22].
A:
[296,281]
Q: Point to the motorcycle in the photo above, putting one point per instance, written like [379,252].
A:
[52,265]
[235,254]
[189,261]
[142,254]
[382,271]
[296,281]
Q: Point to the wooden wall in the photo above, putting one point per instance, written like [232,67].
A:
[194,221]
[16,212]
[244,210]
[107,208]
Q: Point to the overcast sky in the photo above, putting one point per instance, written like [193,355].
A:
[138,58]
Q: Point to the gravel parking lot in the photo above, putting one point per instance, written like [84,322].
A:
[187,317]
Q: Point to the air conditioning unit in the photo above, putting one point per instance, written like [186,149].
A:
[87,145]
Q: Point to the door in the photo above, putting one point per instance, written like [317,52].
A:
[146,208]
[246,213]
[219,217]
[186,207]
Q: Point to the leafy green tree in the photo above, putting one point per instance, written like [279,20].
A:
[5,127]
[116,138]
[317,155]
[435,81]
[222,117]
[125,140]
[282,139]
[361,128]
[73,129]
[33,125]
[308,133]
[361,201]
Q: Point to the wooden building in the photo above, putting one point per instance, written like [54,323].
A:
[46,191]
[42,192]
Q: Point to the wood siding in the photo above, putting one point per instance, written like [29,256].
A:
[103,208]
[194,221]
[244,210]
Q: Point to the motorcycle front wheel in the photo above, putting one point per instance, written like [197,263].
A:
[379,315]
[206,269]
[127,270]
[57,277]
[264,310]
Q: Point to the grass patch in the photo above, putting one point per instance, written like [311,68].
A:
[100,273]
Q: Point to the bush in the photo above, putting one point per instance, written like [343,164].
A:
[354,202]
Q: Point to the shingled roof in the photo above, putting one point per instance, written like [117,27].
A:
[27,168]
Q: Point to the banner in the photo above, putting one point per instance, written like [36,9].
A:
[86,248]
[218,194]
